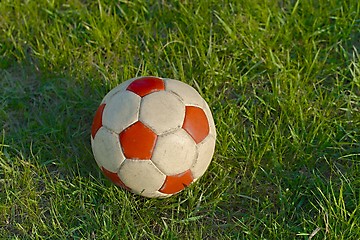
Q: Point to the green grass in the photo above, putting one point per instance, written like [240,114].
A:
[281,77]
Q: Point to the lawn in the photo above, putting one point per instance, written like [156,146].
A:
[282,79]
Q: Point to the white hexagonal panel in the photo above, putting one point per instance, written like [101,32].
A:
[107,150]
[119,88]
[121,111]
[187,93]
[205,153]
[142,176]
[162,112]
[155,194]
[174,152]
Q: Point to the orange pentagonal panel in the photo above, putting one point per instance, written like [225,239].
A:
[138,141]
[97,122]
[176,183]
[196,123]
[114,177]
[145,85]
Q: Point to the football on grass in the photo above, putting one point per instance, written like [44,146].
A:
[153,136]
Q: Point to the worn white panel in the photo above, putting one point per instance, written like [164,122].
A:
[175,152]
[121,111]
[119,88]
[155,194]
[205,153]
[107,150]
[142,177]
[162,112]
[187,93]
[190,97]
[210,118]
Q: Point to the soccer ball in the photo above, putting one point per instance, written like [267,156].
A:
[153,136]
